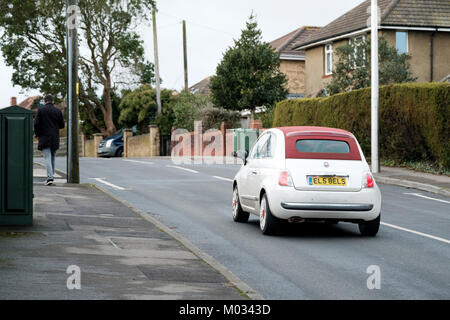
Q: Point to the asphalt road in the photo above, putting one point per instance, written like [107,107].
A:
[310,261]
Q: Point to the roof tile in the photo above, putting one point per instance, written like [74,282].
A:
[286,43]
[417,13]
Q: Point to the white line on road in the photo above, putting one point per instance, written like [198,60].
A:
[115,246]
[109,184]
[224,179]
[181,168]
[425,197]
[142,162]
[416,232]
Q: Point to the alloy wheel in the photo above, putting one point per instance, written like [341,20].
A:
[263,214]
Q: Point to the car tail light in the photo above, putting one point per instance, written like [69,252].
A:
[369,182]
[285,179]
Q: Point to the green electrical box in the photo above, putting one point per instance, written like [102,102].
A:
[16,167]
[244,139]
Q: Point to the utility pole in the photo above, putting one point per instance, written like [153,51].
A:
[186,81]
[73,16]
[375,88]
[155,45]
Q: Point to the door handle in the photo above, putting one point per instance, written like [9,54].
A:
[254,172]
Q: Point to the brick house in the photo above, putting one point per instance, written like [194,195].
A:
[420,28]
[293,61]
[32,104]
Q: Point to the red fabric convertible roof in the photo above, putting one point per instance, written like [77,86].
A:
[294,134]
[291,130]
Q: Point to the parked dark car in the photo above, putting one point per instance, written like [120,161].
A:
[111,147]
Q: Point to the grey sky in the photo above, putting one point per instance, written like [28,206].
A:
[211,27]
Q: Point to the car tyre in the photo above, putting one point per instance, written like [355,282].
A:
[269,224]
[239,215]
[370,228]
[120,153]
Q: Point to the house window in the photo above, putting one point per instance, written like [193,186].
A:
[401,40]
[328,59]
[358,51]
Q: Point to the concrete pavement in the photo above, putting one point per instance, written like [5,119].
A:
[434,183]
[119,253]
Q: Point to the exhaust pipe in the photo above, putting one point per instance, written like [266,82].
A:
[296,220]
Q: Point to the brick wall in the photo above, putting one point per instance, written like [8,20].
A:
[143,146]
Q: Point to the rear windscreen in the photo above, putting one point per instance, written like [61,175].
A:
[312,146]
[322,146]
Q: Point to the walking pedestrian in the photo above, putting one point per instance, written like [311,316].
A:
[49,120]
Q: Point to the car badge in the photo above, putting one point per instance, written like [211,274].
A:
[326,164]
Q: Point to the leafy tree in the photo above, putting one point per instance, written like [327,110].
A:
[249,75]
[87,127]
[139,107]
[189,108]
[212,117]
[267,117]
[33,43]
[166,119]
[147,74]
[186,109]
[353,69]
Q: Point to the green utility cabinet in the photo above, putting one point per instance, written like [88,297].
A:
[16,167]
[244,139]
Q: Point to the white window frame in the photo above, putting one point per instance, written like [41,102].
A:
[407,40]
[362,39]
[328,50]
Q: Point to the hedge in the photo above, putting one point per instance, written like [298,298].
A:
[414,119]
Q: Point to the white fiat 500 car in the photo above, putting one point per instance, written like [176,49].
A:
[301,174]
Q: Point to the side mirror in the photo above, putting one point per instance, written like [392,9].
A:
[241,154]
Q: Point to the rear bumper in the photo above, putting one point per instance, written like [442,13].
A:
[286,203]
[327,207]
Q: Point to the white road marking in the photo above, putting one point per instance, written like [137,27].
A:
[224,179]
[142,162]
[110,240]
[425,197]
[109,184]
[181,168]
[416,232]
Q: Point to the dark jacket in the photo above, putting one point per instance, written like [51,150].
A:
[49,120]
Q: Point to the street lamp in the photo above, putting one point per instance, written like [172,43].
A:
[375,87]
[155,45]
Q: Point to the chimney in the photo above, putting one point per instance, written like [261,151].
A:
[13,101]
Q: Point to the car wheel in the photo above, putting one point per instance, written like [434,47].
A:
[269,224]
[120,153]
[370,228]
[239,215]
